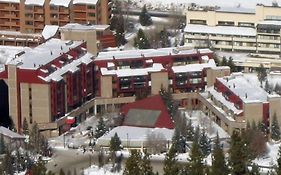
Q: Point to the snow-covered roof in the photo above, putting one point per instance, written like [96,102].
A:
[47,52]
[76,26]
[49,31]
[64,3]
[10,134]
[156,67]
[93,2]
[7,53]
[11,1]
[71,67]
[135,134]
[194,67]
[19,34]
[35,2]
[236,9]
[247,91]
[132,54]
[222,30]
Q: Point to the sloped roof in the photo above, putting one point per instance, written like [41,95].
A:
[150,112]
[13,135]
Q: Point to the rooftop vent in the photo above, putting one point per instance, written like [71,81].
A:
[246,95]
[51,53]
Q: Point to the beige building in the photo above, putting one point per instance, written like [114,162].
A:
[30,16]
[233,101]
[235,29]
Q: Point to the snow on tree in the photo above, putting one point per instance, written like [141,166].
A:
[205,144]
[278,166]
[146,164]
[25,128]
[145,18]
[100,129]
[275,128]
[190,131]
[141,41]
[172,107]
[195,165]
[219,166]
[164,39]
[7,165]
[115,143]
[171,165]
[132,164]
[179,142]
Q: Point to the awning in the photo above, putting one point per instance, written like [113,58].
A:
[70,120]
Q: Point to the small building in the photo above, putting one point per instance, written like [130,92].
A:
[150,112]
[12,139]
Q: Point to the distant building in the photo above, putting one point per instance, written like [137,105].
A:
[30,16]
[235,29]
[150,112]
[233,101]
[45,83]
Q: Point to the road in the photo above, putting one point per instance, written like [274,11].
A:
[70,160]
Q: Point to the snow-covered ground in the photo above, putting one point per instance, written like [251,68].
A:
[95,170]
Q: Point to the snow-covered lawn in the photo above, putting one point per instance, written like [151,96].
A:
[95,170]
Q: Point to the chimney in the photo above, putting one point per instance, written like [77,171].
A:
[60,47]
[51,53]
[246,95]
[233,85]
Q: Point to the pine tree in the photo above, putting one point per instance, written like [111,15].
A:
[141,41]
[224,61]
[178,141]
[261,73]
[278,166]
[120,31]
[190,131]
[8,163]
[196,166]
[145,18]
[101,128]
[25,128]
[196,136]
[39,168]
[267,87]
[132,164]
[255,170]
[113,22]
[262,127]
[205,144]
[34,138]
[164,39]
[231,64]
[69,172]
[275,128]
[238,158]
[169,102]
[100,158]
[171,166]
[115,143]
[146,165]
[2,145]
[219,166]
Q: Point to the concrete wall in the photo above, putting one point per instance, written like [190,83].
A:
[212,74]
[158,80]
[275,108]
[25,101]
[89,36]
[106,86]
[253,112]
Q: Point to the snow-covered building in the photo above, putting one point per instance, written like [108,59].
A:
[135,72]
[12,139]
[30,16]
[45,83]
[235,29]
[233,101]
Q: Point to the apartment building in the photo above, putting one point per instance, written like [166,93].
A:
[44,90]
[235,29]
[138,72]
[233,101]
[30,16]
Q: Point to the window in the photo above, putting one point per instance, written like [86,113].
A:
[91,14]
[225,23]
[91,7]
[52,7]
[28,23]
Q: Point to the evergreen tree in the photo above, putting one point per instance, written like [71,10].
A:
[145,18]
[278,166]
[120,31]
[262,127]
[69,172]
[190,131]
[275,128]
[196,135]
[219,166]
[113,22]
[146,165]
[171,166]
[2,145]
[261,73]
[164,39]
[101,128]
[61,172]
[231,64]
[179,141]
[238,158]
[255,170]
[141,41]
[196,166]
[132,164]
[224,61]
[277,88]
[8,163]
[205,144]
[34,138]
[166,96]
[25,129]
[115,143]
[39,168]
[100,158]
[267,87]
